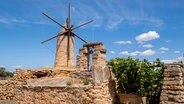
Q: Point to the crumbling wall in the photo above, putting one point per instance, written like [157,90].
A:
[98,57]
[173,86]
[82,59]
[48,86]
[7,89]
[101,94]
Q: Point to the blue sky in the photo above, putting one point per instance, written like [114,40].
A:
[139,28]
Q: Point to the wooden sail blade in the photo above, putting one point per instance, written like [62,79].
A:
[53,37]
[72,40]
[79,37]
[54,21]
[68,48]
[69,15]
[82,25]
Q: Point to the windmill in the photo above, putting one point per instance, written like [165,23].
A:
[65,42]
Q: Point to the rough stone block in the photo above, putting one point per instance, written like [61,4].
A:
[97,74]
[106,74]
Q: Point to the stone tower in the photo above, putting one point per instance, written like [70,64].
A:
[61,59]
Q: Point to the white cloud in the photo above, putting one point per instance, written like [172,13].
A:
[172,60]
[147,53]
[147,46]
[4,20]
[17,20]
[112,52]
[2,66]
[151,35]
[47,66]
[167,41]
[123,42]
[179,58]
[124,53]
[176,51]
[113,24]
[169,61]
[135,17]
[17,66]
[164,49]
[137,53]
[129,54]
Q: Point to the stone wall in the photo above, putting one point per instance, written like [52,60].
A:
[98,56]
[82,59]
[173,86]
[89,94]
[131,99]
[50,90]
[64,85]
[7,88]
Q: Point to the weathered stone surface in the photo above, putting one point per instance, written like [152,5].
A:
[61,59]
[106,74]
[173,86]
[49,85]
[98,57]
[97,74]
[66,95]
[82,59]
[7,88]
[130,99]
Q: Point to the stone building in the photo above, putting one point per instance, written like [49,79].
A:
[64,85]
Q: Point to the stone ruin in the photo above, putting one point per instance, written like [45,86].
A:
[173,86]
[64,85]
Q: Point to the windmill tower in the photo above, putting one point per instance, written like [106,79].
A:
[65,42]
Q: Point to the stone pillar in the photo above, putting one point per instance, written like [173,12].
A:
[99,55]
[100,71]
[61,52]
[82,59]
[173,86]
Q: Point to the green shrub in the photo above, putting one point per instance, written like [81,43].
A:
[86,81]
[69,83]
[138,77]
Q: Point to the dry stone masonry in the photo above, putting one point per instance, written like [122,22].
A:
[61,51]
[64,85]
[98,57]
[82,59]
[173,86]
[65,95]
[7,89]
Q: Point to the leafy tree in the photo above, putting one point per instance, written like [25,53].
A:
[4,73]
[139,77]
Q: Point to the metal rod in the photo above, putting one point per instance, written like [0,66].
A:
[53,37]
[79,38]
[69,15]
[54,21]
[82,25]
[68,49]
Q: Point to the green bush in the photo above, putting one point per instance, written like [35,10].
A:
[69,83]
[139,77]
[4,73]
[86,81]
